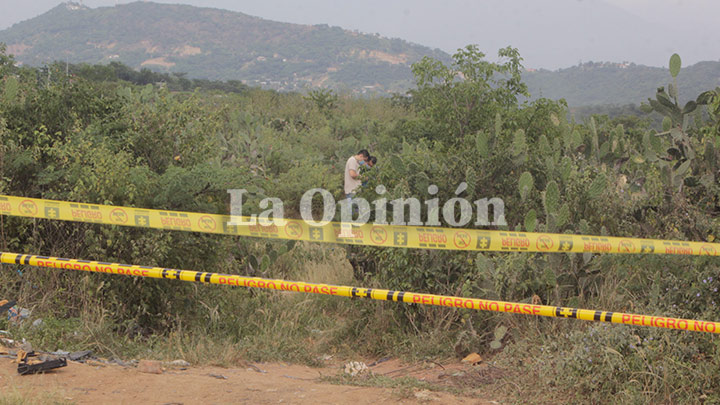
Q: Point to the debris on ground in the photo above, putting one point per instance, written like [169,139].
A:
[129,363]
[79,356]
[218,376]
[150,367]
[180,363]
[382,360]
[355,368]
[30,363]
[96,363]
[60,353]
[17,314]
[472,358]
[14,312]
[255,368]
[5,305]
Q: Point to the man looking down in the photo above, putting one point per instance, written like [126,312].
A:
[352,167]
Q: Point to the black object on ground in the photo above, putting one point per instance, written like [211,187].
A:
[25,368]
[6,305]
[76,356]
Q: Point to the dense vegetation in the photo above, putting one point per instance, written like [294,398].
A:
[118,72]
[97,139]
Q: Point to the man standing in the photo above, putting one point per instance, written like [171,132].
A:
[352,167]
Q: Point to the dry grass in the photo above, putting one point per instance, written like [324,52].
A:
[332,268]
[17,396]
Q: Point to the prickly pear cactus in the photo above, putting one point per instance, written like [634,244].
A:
[525,185]
[552,198]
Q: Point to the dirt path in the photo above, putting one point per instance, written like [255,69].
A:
[262,384]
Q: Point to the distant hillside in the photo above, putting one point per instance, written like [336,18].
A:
[619,83]
[217,44]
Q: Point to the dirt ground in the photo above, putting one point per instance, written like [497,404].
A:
[260,383]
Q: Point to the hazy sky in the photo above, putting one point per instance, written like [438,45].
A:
[550,34]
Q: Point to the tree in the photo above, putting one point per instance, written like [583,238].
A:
[324,99]
[464,97]
[6,61]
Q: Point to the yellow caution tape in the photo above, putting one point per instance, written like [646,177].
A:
[372,293]
[334,232]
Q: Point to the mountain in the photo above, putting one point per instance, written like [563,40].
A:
[217,44]
[550,34]
[603,83]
